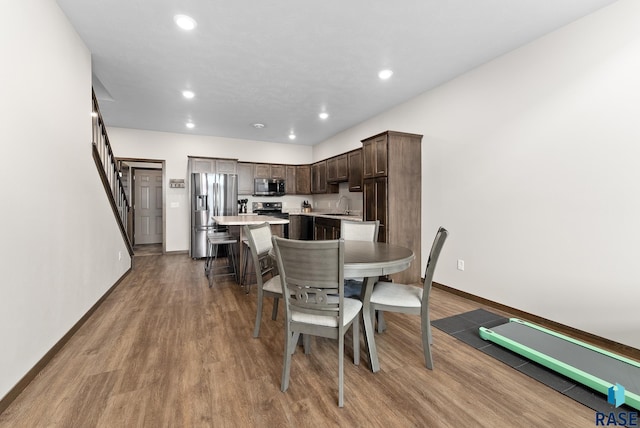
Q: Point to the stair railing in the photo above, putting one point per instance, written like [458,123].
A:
[110,173]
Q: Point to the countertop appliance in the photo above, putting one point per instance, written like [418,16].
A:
[272,209]
[242,206]
[268,187]
[211,195]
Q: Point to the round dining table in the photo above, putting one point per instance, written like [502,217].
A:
[370,260]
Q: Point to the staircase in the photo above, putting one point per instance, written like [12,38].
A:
[110,174]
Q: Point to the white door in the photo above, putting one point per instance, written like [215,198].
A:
[148,206]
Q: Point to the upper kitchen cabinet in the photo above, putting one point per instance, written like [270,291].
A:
[226,166]
[290,180]
[303,179]
[262,170]
[375,156]
[319,177]
[245,178]
[337,169]
[354,160]
[202,165]
[265,170]
[212,165]
[278,171]
[392,192]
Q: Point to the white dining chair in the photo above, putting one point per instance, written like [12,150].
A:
[410,299]
[312,276]
[353,230]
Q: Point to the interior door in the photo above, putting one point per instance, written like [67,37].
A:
[148,206]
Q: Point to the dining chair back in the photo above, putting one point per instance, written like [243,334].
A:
[312,276]
[352,230]
[267,280]
[409,299]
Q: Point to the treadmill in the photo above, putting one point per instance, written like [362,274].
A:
[589,365]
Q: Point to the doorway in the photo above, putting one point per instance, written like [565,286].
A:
[147,214]
[144,182]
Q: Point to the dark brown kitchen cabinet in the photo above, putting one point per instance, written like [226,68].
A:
[354,160]
[319,177]
[326,228]
[226,166]
[245,178]
[392,193]
[290,180]
[303,179]
[375,156]
[262,170]
[375,204]
[337,169]
[278,171]
[212,165]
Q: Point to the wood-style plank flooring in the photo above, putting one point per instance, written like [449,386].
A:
[164,350]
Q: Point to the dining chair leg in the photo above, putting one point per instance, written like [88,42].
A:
[355,328]
[382,325]
[341,370]
[294,343]
[306,343]
[291,339]
[426,343]
[256,328]
[274,311]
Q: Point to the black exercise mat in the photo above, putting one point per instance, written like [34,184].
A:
[465,327]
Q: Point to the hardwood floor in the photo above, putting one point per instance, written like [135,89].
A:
[148,250]
[164,350]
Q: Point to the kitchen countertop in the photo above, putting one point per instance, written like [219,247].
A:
[331,215]
[241,220]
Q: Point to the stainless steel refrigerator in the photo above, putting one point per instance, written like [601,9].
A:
[211,195]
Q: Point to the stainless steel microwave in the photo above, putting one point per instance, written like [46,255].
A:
[268,187]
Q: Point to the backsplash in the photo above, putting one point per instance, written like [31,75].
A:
[328,202]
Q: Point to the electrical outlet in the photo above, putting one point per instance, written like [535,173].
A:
[460,264]
[119,255]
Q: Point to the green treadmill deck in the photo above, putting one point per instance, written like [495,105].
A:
[587,364]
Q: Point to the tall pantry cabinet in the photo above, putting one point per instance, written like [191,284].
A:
[392,183]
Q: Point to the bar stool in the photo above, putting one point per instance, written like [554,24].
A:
[214,240]
[209,253]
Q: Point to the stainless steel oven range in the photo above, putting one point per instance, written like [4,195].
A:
[272,209]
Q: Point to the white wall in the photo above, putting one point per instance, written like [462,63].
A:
[60,241]
[531,162]
[175,149]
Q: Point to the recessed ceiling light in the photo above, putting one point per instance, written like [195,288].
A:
[292,136]
[190,125]
[185,22]
[324,115]
[258,125]
[188,94]
[385,74]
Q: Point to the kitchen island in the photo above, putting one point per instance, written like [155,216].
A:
[236,224]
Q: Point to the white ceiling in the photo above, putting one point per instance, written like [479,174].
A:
[281,62]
